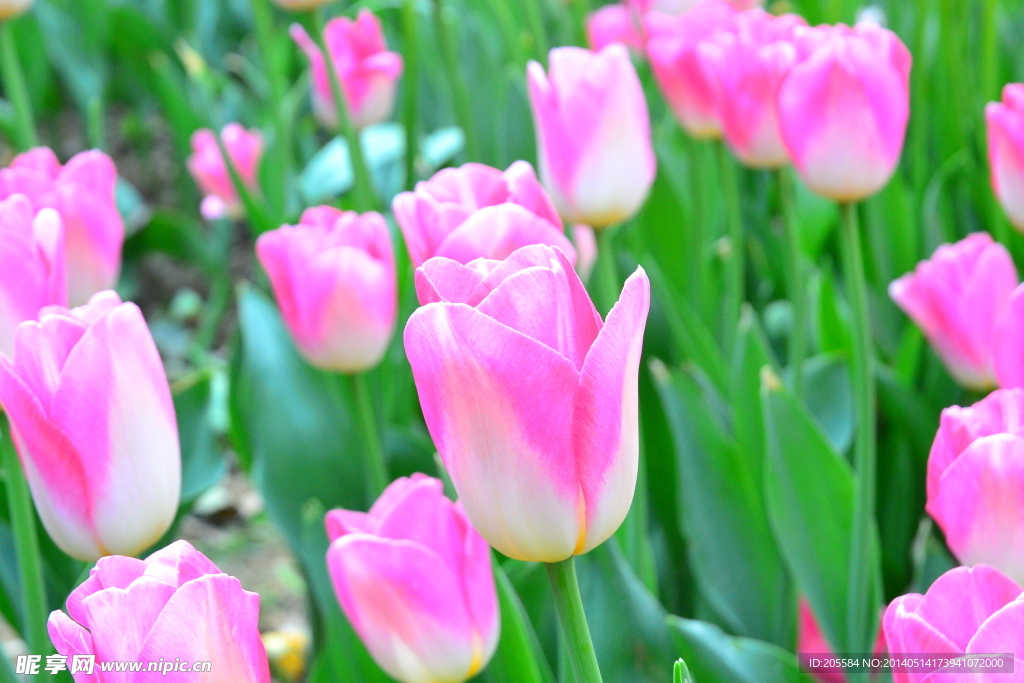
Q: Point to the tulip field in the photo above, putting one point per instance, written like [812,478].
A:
[513,341]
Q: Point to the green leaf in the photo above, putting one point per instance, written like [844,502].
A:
[441,147]
[831,319]
[328,174]
[681,674]
[829,398]
[202,460]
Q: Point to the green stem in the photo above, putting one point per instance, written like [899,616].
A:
[17,91]
[861,610]
[795,280]
[734,257]
[990,52]
[277,77]
[605,283]
[537,30]
[918,135]
[573,620]
[411,78]
[507,21]
[377,478]
[96,120]
[460,94]
[580,10]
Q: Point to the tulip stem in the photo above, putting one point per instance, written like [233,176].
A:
[266,36]
[734,277]
[17,91]
[537,30]
[861,611]
[606,277]
[573,620]
[376,469]
[410,116]
[795,284]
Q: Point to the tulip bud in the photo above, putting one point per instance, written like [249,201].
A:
[476,211]
[957,298]
[366,71]
[976,481]
[614,24]
[244,148]
[334,278]
[174,607]
[1006,151]
[32,263]
[414,578]
[965,611]
[94,425]
[12,8]
[843,109]
[531,400]
[83,193]
[593,134]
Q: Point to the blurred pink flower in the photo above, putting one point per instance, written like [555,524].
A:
[1008,353]
[1006,151]
[512,354]
[244,148]
[414,578]
[614,24]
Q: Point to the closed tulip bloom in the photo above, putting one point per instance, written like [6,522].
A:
[531,400]
[367,72]
[593,134]
[976,481]
[957,298]
[12,8]
[966,611]
[173,606]
[476,211]
[94,425]
[32,263]
[334,278]
[614,24]
[83,193]
[1005,121]
[414,578]
[244,148]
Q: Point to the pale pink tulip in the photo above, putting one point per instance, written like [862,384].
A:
[82,192]
[94,425]
[368,73]
[174,607]
[244,148]
[334,278]
[957,298]
[32,263]
[414,578]
[966,611]
[593,134]
[531,400]
[1006,151]
[476,211]
[843,109]
[976,481]
[614,24]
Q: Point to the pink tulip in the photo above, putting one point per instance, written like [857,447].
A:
[244,148]
[957,298]
[1009,343]
[476,211]
[976,481]
[812,641]
[531,400]
[614,24]
[366,70]
[174,606]
[593,134]
[965,611]
[679,7]
[586,247]
[1006,151]
[334,278]
[32,263]
[414,579]
[94,424]
[843,109]
[82,192]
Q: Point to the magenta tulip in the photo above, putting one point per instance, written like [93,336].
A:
[1006,151]
[334,278]
[367,72]
[1009,343]
[966,611]
[614,24]
[843,109]
[957,298]
[82,192]
[531,400]
[32,263]
[174,606]
[593,134]
[94,426]
[414,578]
[244,148]
[476,211]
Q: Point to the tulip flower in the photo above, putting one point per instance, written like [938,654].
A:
[476,211]
[334,278]
[414,578]
[679,7]
[614,24]
[1005,122]
[957,298]
[176,607]
[12,8]
[593,134]
[32,263]
[531,400]
[843,109]
[244,148]
[1009,343]
[82,192]
[976,481]
[94,426]
[966,611]
[367,72]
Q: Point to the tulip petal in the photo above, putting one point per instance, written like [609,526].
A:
[1008,354]
[478,582]
[424,516]
[120,620]
[70,639]
[179,563]
[960,601]
[494,232]
[114,571]
[1003,632]
[442,279]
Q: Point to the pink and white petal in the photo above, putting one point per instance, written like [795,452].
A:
[1008,348]
[69,639]
[120,620]
[494,232]
[179,563]
[113,571]
[442,279]
[959,602]
[478,582]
